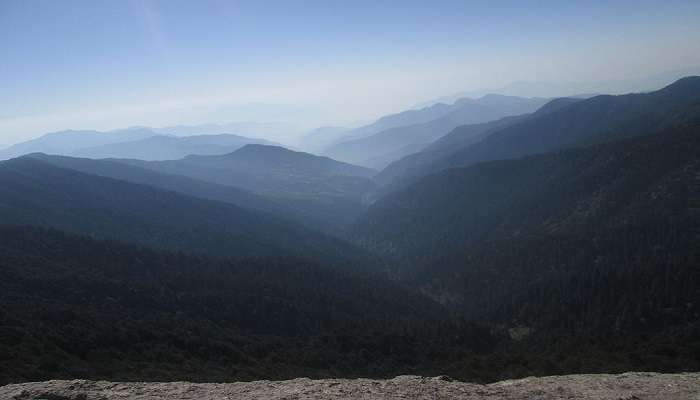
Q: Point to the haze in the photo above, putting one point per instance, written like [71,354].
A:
[107,65]
[349,199]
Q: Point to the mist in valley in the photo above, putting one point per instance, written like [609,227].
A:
[465,193]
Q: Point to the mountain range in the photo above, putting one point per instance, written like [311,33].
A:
[561,238]
[388,144]
[162,147]
[321,139]
[68,142]
[562,123]
[578,89]
[560,243]
[34,192]
[170,182]
[423,162]
[606,206]
[330,192]
[302,211]
[248,128]
[142,143]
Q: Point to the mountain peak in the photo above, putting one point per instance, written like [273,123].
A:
[256,151]
[255,147]
[687,83]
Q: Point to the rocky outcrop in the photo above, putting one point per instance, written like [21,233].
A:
[628,386]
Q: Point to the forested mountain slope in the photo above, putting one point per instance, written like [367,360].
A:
[71,306]
[563,243]
[566,190]
[33,192]
[176,183]
[193,187]
[582,123]
[322,188]
[268,169]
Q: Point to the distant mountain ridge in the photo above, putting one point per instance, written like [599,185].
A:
[137,142]
[390,141]
[564,124]
[577,89]
[462,136]
[321,139]
[163,147]
[586,122]
[458,138]
[318,186]
[258,130]
[259,168]
[403,118]
[70,141]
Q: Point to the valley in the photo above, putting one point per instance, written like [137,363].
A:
[501,265]
[339,200]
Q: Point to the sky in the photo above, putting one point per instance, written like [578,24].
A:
[106,64]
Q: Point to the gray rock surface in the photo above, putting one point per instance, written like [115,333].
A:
[628,386]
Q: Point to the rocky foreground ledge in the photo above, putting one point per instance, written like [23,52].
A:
[629,386]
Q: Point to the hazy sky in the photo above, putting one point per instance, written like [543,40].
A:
[107,63]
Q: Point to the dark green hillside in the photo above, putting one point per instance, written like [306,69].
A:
[326,192]
[563,244]
[73,307]
[33,192]
[197,188]
[175,183]
[558,192]
[583,260]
